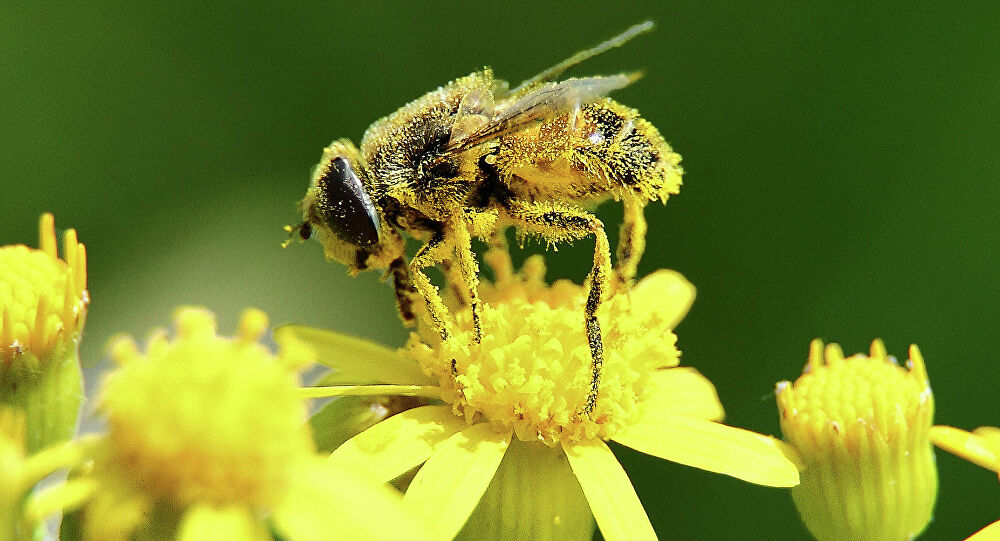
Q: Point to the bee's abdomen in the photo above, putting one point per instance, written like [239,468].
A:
[626,150]
[601,149]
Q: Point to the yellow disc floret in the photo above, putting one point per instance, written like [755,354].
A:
[861,426]
[43,299]
[531,372]
[202,418]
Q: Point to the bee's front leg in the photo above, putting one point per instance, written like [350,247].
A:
[428,255]
[557,223]
[405,291]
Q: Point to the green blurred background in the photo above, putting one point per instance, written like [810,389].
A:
[841,182]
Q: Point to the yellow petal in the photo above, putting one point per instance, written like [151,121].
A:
[342,419]
[380,389]
[612,499]
[448,487]
[991,433]
[366,361]
[208,523]
[989,533]
[714,447]
[397,444]
[62,497]
[667,294]
[966,445]
[683,391]
[328,502]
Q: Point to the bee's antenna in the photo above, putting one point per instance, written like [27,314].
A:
[291,230]
[559,68]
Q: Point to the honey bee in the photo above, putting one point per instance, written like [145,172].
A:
[474,158]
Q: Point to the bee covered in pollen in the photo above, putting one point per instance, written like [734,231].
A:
[474,158]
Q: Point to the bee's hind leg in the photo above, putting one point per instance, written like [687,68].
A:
[556,223]
[631,243]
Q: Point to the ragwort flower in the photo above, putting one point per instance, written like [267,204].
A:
[861,426]
[509,437]
[43,305]
[207,441]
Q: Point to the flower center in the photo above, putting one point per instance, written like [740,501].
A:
[874,391]
[531,372]
[40,294]
[177,416]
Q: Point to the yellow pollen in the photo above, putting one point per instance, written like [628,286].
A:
[531,372]
[178,415]
[43,299]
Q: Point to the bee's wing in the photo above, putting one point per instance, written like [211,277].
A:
[557,70]
[543,102]
[536,99]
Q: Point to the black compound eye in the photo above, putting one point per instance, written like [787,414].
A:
[305,231]
[346,206]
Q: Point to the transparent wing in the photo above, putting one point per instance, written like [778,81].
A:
[543,102]
[557,70]
[537,99]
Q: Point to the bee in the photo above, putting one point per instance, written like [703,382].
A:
[474,158]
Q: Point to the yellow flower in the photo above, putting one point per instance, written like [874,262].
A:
[981,447]
[43,305]
[509,437]
[207,441]
[861,427]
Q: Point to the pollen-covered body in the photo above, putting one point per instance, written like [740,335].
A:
[603,149]
[472,159]
[595,151]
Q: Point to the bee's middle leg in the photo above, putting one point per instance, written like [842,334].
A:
[470,274]
[566,223]
[456,281]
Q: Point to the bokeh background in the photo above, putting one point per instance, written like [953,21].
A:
[842,182]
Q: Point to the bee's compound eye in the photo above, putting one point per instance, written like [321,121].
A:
[305,231]
[346,206]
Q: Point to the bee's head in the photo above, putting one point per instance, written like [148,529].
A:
[338,211]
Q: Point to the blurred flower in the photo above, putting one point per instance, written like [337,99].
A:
[207,441]
[981,447]
[43,305]
[529,378]
[861,427]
